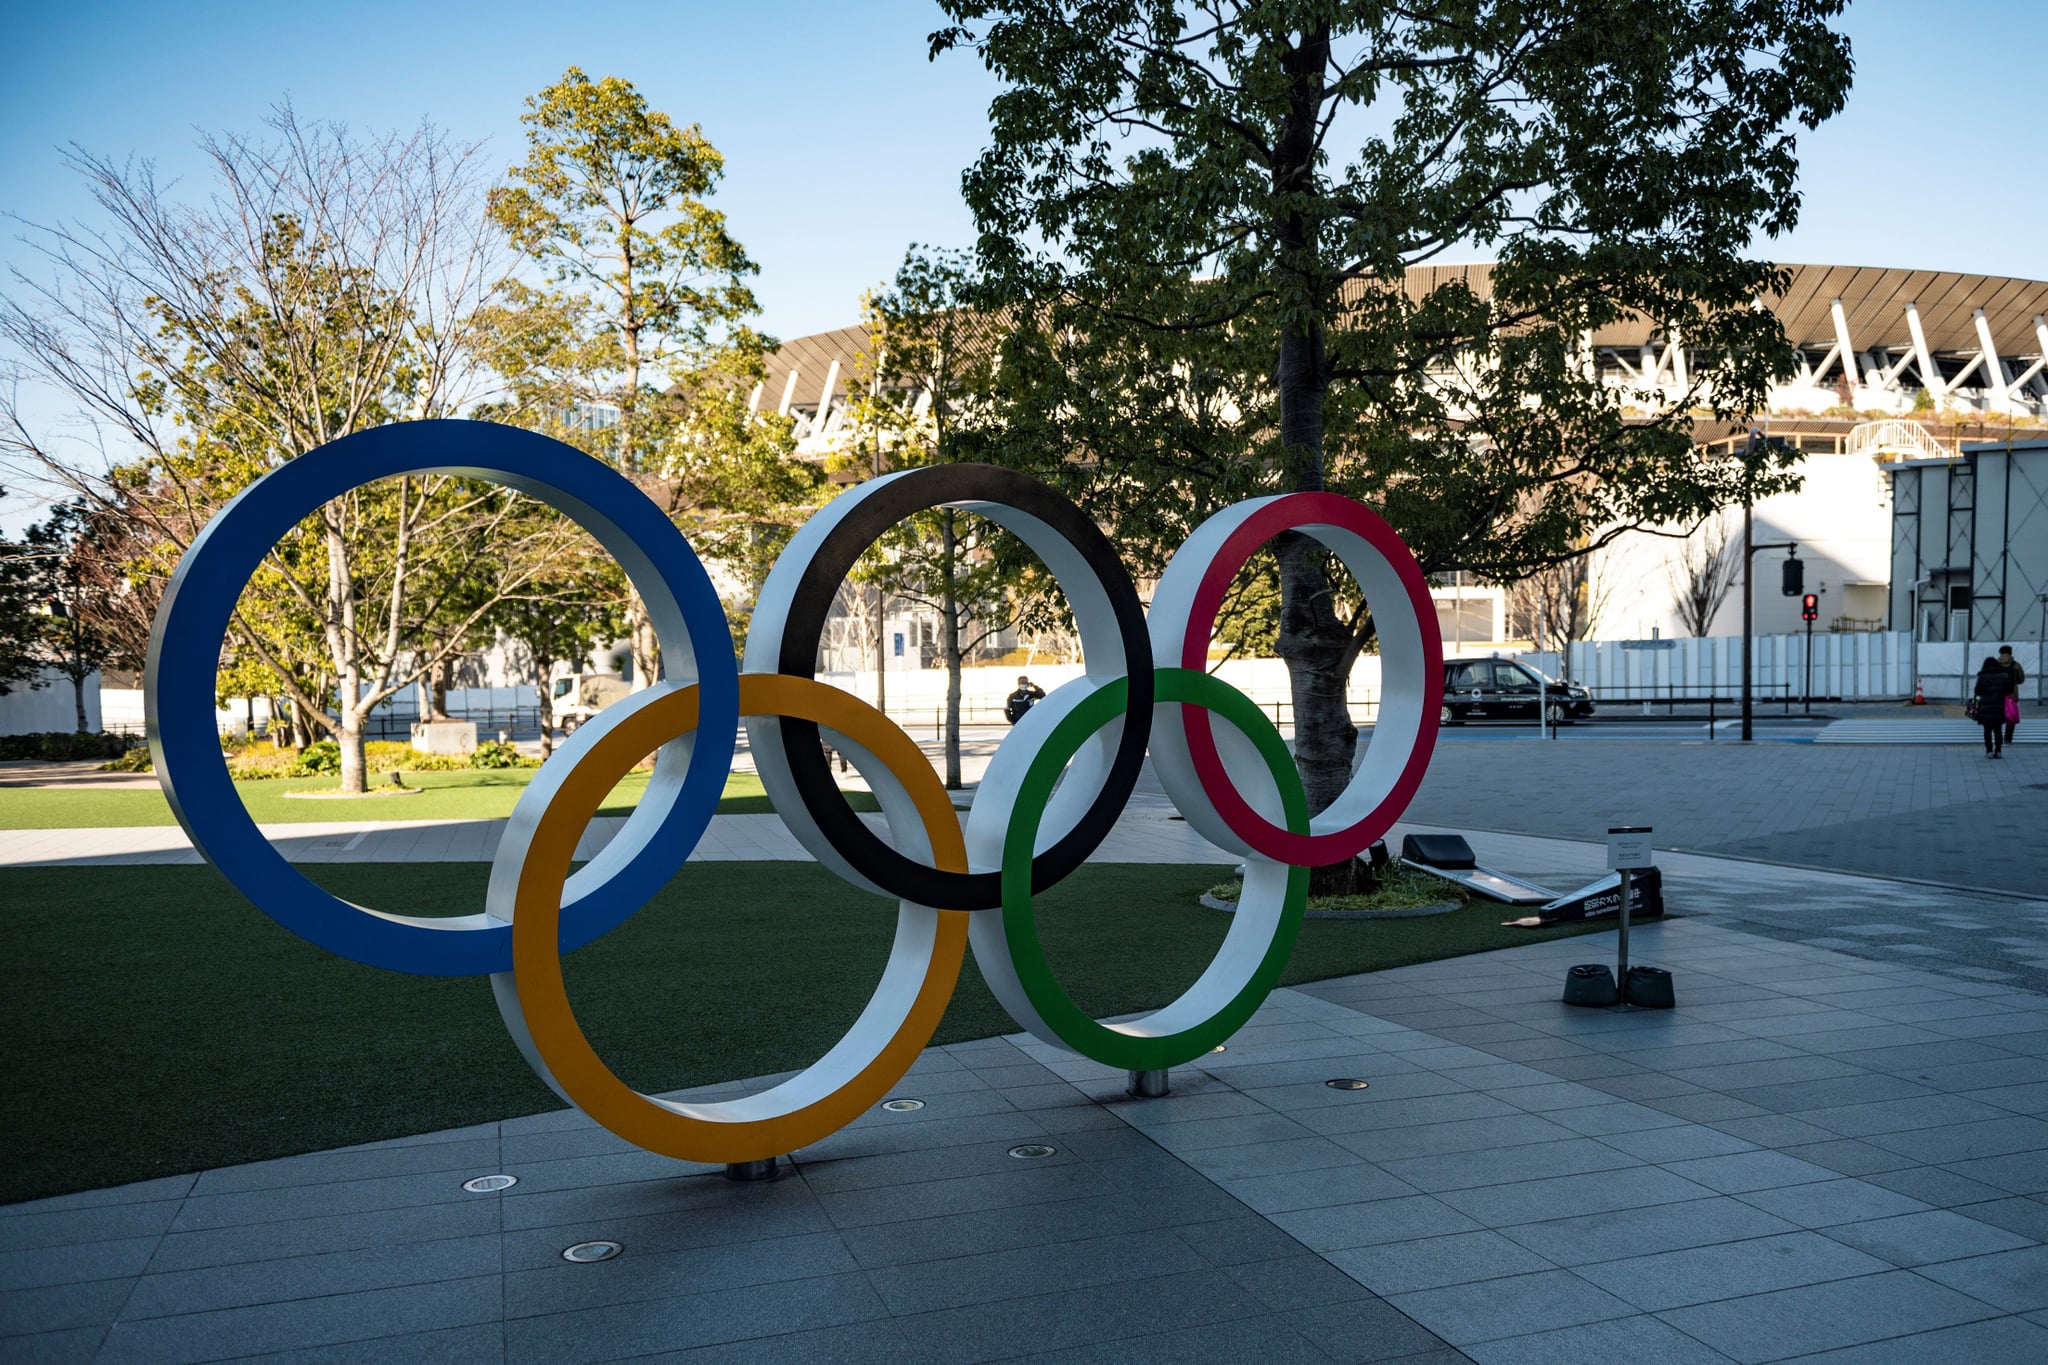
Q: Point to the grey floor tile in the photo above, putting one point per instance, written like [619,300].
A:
[1682,1142]
[321,1168]
[55,1308]
[1916,1239]
[1081,1317]
[853,1343]
[1849,1156]
[1468,1313]
[1825,1317]
[92,1223]
[2016,1281]
[1644,1232]
[480,1344]
[1503,1165]
[1271,1158]
[1936,1187]
[119,1259]
[327,1321]
[314,1236]
[1373,1223]
[2015,1173]
[1530,1201]
[1746,1171]
[2027,1217]
[1370,1330]
[1351,1184]
[1632,1339]
[1245,1341]
[1433,1262]
[687,1321]
[164,1293]
[930,1286]
[1992,1342]
[1726,1270]
[555,1286]
[1299,1281]
[1828,1203]
[1619,1116]
[1970,1141]
[1238,1241]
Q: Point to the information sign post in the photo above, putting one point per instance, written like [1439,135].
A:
[1628,848]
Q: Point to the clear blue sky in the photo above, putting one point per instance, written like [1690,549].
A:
[843,144]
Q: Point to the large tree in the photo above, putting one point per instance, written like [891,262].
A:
[1220,218]
[646,289]
[330,284]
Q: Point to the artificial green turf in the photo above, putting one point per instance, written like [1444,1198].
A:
[484,794]
[157,1023]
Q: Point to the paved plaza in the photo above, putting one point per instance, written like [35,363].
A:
[1835,1148]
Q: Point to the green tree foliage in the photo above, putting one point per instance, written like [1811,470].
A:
[639,340]
[1217,225]
[22,618]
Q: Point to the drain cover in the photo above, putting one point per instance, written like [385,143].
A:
[490,1184]
[583,1253]
[1032,1151]
[902,1106]
[1346,1083]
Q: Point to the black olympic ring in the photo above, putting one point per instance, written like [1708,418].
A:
[791,618]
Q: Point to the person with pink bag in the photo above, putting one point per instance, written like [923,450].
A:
[2012,703]
[1995,691]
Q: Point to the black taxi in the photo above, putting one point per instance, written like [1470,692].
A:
[1506,689]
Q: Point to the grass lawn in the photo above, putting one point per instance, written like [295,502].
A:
[156,1023]
[482,794]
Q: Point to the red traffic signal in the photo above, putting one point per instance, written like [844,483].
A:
[1809,607]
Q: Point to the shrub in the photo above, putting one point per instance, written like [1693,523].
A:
[58,746]
[492,754]
[134,760]
[318,759]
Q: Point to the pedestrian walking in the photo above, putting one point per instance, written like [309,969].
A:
[2012,703]
[1987,705]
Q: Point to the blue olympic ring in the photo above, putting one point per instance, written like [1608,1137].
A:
[184,651]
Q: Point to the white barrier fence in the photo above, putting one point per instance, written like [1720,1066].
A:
[1872,666]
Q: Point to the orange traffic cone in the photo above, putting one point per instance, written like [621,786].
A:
[1919,692]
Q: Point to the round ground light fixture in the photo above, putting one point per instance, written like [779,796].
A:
[902,1106]
[588,1253]
[1032,1151]
[1347,1083]
[490,1184]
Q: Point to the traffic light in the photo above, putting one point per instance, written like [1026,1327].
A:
[1795,576]
[1809,607]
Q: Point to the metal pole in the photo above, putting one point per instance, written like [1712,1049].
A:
[1808,705]
[1148,1085]
[1621,944]
[1748,559]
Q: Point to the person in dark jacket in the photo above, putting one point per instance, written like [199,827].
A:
[1994,685]
[2019,675]
[1027,695]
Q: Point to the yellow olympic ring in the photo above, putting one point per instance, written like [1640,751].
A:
[859,1070]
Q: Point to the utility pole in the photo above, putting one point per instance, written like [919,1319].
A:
[1756,444]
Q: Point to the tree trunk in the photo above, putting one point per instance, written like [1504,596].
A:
[354,778]
[645,646]
[949,623]
[545,666]
[354,761]
[1313,641]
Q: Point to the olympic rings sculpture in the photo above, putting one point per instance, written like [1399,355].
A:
[1052,792]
